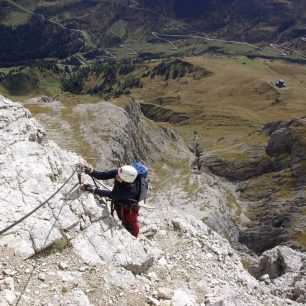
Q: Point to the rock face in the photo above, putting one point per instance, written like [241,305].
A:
[77,298]
[122,135]
[196,267]
[271,187]
[288,137]
[32,169]
[285,270]
[280,216]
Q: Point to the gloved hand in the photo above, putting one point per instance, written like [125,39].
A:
[87,170]
[88,188]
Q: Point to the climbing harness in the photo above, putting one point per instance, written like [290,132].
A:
[38,207]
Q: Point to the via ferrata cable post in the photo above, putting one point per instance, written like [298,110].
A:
[79,173]
[76,191]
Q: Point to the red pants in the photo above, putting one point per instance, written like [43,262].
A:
[128,216]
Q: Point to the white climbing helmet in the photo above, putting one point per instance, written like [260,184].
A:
[127,173]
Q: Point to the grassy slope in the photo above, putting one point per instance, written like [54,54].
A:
[28,83]
[233,102]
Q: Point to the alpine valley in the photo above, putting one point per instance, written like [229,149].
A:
[209,95]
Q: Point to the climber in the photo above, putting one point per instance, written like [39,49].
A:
[124,195]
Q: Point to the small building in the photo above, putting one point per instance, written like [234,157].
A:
[280,84]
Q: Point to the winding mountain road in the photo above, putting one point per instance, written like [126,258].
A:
[127,47]
[275,48]
[24,10]
[278,49]
[83,33]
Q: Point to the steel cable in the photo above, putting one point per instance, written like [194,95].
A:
[39,206]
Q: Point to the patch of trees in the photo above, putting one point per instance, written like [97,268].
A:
[92,54]
[148,55]
[191,8]
[123,88]
[2,76]
[126,67]
[73,61]
[78,79]
[73,82]
[35,40]
[175,69]
[49,65]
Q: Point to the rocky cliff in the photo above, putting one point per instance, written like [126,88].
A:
[71,252]
[110,135]
[31,170]
[280,210]
[122,135]
[271,187]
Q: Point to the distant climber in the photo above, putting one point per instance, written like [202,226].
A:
[124,195]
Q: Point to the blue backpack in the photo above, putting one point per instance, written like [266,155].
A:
[141,181]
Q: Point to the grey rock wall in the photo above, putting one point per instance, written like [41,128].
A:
[32,169]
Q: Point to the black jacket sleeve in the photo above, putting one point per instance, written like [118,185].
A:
[104,175]
[125,194]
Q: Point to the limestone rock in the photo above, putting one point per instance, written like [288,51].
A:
[80,232]
[181,298]
[191,225]
[7,283]
[165,303]
[8,296]
[152,276]
[62,265]
[211,300]
[121,280]
[116,247]
[165,293]
[153,301]
[286,269]
[72,277]
[278,261]
[80,222]
[76,298]
[127,136]
[3,302]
